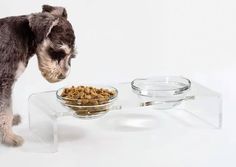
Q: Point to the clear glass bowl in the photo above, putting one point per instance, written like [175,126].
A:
[164,92]
[87,111]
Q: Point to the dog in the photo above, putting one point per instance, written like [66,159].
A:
[50,36]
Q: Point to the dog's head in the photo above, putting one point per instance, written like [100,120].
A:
[54,37]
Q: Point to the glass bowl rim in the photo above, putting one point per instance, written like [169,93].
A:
[184,88]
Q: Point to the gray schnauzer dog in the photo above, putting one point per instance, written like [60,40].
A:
[47,34]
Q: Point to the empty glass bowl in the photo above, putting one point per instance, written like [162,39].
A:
[87,111]
[164,92]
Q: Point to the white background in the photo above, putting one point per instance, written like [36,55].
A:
[119,40]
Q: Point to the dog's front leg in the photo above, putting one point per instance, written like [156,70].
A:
[7,120]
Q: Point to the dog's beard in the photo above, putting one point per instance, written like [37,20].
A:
[51,69]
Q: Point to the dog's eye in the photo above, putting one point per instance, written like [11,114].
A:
[56,54]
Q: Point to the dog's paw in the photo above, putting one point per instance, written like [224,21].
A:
[12,140]
[16,120]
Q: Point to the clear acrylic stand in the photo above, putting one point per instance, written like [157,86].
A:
[202,109]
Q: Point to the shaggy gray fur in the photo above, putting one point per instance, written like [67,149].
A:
[20,38]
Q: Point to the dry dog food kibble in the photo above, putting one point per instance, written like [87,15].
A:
[87,100]
[87,95]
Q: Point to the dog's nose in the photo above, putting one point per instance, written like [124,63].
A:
[61,76]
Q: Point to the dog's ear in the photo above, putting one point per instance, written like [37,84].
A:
[55,10]
[41,25]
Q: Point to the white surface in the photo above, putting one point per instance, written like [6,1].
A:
[121,40]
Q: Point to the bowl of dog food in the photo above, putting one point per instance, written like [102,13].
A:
[87,101]
[163,92]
